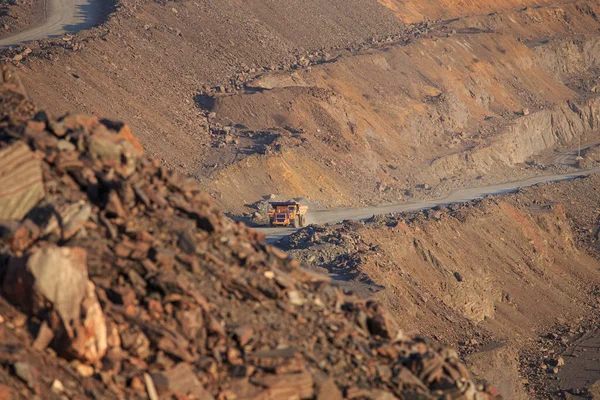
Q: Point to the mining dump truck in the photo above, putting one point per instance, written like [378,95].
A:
[287,213]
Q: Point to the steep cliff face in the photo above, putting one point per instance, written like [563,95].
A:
[526,137]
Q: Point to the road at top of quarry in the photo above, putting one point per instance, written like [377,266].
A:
[61,16]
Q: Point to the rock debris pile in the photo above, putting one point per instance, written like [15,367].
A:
[119,279]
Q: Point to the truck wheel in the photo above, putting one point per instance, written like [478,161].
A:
[297,222]
[302,221]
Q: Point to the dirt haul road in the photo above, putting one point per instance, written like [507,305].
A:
[332,216]
[61,16]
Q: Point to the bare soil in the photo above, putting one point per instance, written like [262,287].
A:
[17,15]
[121,279]
[359,103]
[492,277]
[353,103]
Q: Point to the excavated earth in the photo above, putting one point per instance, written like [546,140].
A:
[343,103]
[121,279]
[512,280]
[16,15]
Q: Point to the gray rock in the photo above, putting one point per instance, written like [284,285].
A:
[21,186]
[26,373]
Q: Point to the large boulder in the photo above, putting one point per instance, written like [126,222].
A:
[52,283]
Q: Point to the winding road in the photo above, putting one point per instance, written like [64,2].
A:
[332,216]
[71,16]
[62,16]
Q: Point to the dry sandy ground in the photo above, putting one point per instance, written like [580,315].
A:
[355,103]
[58,17]
[347,104]
[19,15]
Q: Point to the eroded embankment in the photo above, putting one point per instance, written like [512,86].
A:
[503,270]
[439,112]
[350,107]
[526,137]
[572,61]
[414,11]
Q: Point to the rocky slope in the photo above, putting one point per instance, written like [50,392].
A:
[503,270]
[440,111]
[342,103]
[16,15]
[120,279]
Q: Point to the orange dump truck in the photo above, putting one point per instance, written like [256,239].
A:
[287,213]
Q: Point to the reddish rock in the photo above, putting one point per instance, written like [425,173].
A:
[8,393]
[79,121]
[244,334]
[125,134]
[180,380]
[328,390]
[199,302]
[287,386]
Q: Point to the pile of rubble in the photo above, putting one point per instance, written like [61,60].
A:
[119,279]
[338,250]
